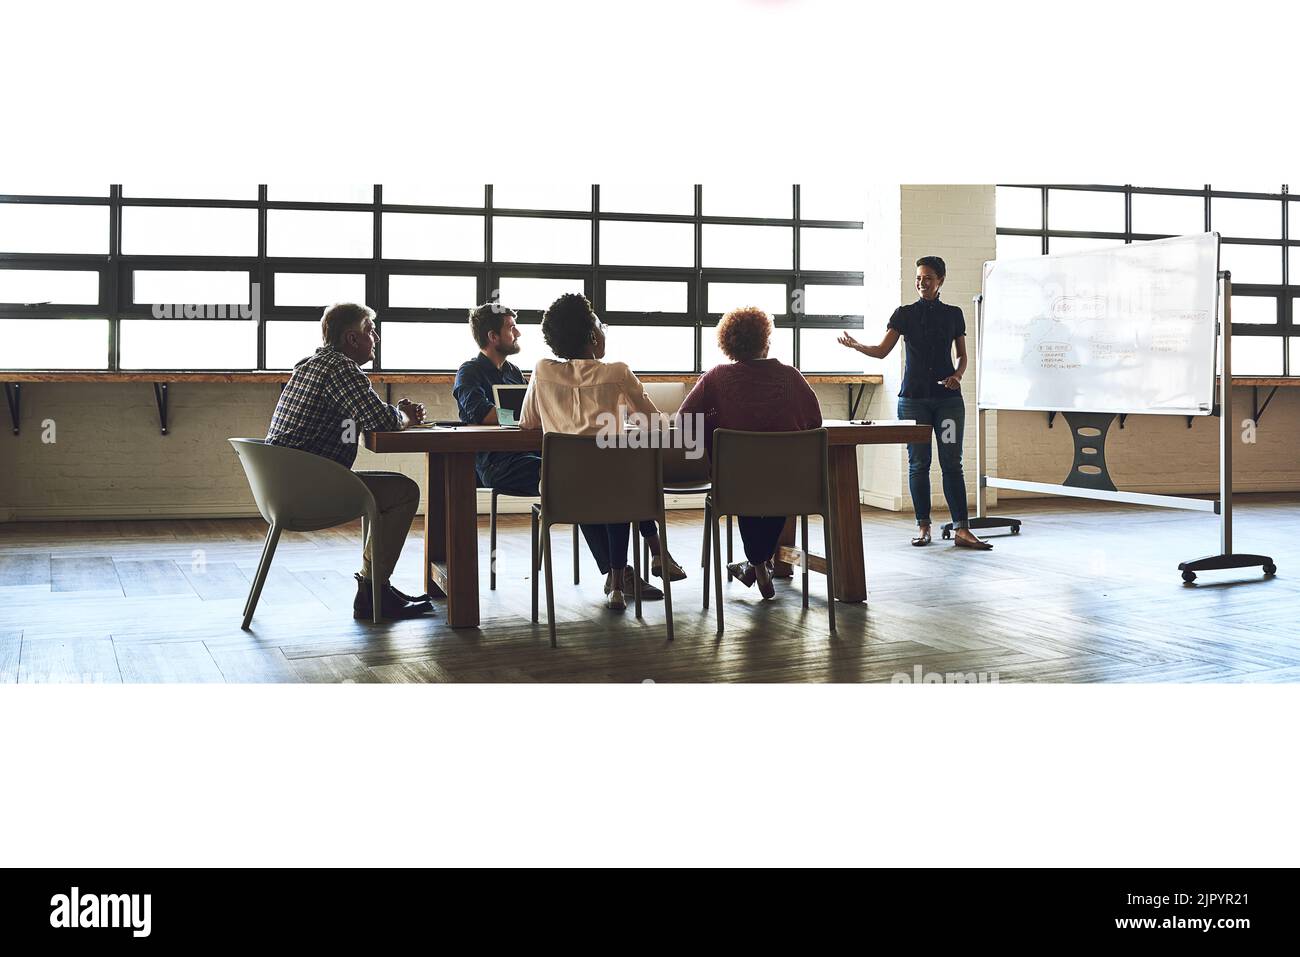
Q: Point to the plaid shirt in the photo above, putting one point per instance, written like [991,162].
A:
[328,401]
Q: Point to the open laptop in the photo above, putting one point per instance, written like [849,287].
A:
[509,400]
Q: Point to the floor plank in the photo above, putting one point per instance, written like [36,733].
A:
[68,661]
[25,569]
[186,662]
[10,651]
[151,578]
[84,574]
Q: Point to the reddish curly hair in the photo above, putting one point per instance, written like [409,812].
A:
[744,333]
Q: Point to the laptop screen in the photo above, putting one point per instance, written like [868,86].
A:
[510,397]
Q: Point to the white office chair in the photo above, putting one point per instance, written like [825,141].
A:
[299,491]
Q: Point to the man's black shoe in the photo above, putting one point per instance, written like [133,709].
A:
[392,607]
[414,598]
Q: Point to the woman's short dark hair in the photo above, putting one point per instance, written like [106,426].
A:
[935,263]
[743,333]
[567,326]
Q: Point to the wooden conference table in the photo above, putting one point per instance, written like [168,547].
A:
[451,514]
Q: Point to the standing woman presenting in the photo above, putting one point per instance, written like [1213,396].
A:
[931,395]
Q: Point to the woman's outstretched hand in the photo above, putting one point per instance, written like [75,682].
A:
[847,340]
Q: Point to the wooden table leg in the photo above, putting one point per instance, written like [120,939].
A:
[435,521]
[461,579]
[782,569]
[850,567]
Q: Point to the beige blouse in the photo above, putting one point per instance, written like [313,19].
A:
[569,395]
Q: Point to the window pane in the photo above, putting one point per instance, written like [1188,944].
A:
[1257,264]
[188,344]
[55,343]
[322,193]
[647,244]
[749,247]
[188,231]
[318,289]
[320,234]
[527,292]
[837,249]
[1018,247]
[627,295]
[53,229]
[575,196]
[1246,218]
[427,345]
[49,285]
[781,347]
[531,346]
[819,351]
[433,292]
[725,296]
[1256,355]
[652,348]
[1260,310]
[1295,355]
[1294,253]
[436,194]
[648,198]
[431,236]
[287,342]
[164,190]
[833,201]
[175,286]
[1171,215]
[522,240]
[769,201]
[1057,245]
[835,301]
[1019,207]
[45,187]
[1085,209]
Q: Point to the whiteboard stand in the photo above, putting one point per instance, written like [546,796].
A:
[1227,435]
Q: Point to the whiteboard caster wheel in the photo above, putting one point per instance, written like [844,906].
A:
[1015,529]
[1270,569]
[1189,577]
[947,534]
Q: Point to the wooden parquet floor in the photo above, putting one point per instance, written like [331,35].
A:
[1087,593]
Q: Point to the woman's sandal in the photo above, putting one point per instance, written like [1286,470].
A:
[977,544]
[921,540]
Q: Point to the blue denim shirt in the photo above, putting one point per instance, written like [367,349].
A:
[929,328]
[473,392]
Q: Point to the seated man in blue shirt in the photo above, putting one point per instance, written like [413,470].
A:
[494,329]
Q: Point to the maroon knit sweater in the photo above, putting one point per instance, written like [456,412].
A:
[756,395]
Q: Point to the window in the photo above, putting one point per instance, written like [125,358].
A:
[319,234]
[38,228]
[188,231]
[661,261]
[780,347]
[1264,272]
[318,289]
[63,286]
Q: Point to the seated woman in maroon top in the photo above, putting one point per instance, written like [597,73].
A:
[755,394]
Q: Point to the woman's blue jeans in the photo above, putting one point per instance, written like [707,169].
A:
[948,416]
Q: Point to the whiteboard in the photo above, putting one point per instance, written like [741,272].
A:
[1123,329]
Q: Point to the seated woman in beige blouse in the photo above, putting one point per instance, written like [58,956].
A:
[569,394]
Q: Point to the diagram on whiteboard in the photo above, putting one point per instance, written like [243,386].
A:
[1121,329]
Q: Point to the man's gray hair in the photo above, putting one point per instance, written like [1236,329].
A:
[341,317]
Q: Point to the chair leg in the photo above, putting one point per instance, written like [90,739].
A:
[668,579]
[717,571]
[830,569]
[729,558]
[550,585]
[263,566]
[576,555]
[803,521]
[636,567]
[492,543]
[645,557]
[536,563]
[709,522]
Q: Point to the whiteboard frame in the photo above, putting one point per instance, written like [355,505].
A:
[1214,352]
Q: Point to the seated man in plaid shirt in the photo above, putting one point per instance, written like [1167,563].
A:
[324,408]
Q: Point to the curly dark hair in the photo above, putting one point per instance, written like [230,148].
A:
[568,324]
[743,333]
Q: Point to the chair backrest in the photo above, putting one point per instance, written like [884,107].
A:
[770,473]
[584,483]
[667,396]
[301,491]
